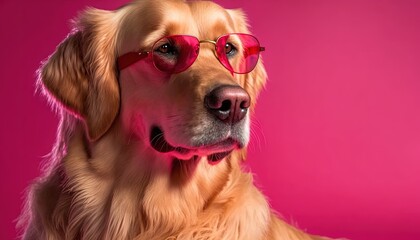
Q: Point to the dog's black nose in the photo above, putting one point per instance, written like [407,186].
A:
[228,103]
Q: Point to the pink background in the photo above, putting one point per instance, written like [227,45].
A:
[337,131]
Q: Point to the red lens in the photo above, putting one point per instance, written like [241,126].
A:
[174,54]
[238,52]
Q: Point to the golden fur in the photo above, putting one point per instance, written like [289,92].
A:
[103,180]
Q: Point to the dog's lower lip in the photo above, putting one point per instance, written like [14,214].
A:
[182,150]
[159,143]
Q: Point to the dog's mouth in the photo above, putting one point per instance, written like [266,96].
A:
[214,152]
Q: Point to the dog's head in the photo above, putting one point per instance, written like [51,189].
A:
[165,72]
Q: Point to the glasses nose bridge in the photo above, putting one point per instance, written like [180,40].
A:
[211,42]
[208,41]
[204,59]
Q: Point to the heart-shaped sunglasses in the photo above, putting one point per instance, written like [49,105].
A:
[237,52]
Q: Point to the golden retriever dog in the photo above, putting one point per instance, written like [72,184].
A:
[155,101]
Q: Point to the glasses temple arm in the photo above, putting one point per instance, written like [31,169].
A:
[253,50]
[130,58]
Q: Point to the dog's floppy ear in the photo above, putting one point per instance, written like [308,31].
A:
[255,80]
[81,74]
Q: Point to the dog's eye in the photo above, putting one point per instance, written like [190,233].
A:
[166,48]
[230,49]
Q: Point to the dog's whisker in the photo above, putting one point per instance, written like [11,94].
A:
[254,140]
[157,137]
[173,116]
[161,139]
[255,145]
[257,134]
[130,137]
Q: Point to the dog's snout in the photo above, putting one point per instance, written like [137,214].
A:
[228,103]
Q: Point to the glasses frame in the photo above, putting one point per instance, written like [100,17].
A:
[130,58]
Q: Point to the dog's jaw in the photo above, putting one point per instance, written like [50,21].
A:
[214,152]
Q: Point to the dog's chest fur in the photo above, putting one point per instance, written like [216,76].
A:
[95,199]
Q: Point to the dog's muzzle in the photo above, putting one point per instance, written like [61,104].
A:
[227,106]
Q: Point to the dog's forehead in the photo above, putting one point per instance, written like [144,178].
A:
[211,19]
[203,19]
[194,18]
[147,21]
